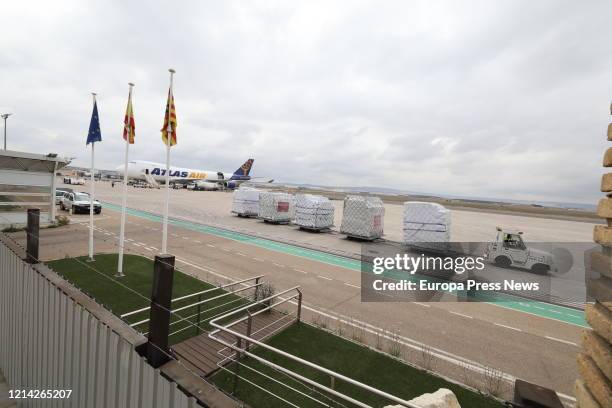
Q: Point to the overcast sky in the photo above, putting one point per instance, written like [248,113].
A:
[506,99]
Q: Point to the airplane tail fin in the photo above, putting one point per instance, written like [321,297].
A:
[245,169]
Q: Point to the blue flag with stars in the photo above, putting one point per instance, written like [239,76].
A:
[94,134]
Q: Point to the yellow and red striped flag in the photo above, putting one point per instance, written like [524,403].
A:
[169,118]
[129,126]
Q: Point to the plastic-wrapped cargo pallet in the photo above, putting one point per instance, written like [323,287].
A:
[427,225]
[246,202]
[276,207]
[313,212]
[363,217]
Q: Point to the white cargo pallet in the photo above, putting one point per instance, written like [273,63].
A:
[426,226]
[363,218]
[245,202]
[244,215]
[276,208]
[315,229]
[313,213]
[268,221]
[362,238]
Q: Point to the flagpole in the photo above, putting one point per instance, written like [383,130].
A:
[91,197]
[124,198]
[164,248]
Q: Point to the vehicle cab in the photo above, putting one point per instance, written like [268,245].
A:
[509,250]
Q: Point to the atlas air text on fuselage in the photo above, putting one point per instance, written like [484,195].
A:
[178,173]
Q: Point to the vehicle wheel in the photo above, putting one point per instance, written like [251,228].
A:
[97,211]
[72,210]
[540,269]
[503,261]
[62,207]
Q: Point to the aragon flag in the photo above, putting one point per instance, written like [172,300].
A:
[129,126]
[169,118]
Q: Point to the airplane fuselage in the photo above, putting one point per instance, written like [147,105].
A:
[139,169]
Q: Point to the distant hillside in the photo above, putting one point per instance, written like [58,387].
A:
[571,211]
[487,200]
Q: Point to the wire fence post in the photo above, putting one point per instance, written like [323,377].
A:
[238,345]
[199,310]
[299,305]
[33,234]
[333,387]
[237,363]
[161,298]
[248,330]
[256,289]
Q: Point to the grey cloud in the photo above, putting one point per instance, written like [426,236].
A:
[337,93]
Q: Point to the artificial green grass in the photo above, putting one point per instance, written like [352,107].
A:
[340,355]
[97,280]
[367,366]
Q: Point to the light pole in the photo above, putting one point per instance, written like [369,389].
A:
[5,117]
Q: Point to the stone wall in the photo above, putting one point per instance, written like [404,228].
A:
[593,389]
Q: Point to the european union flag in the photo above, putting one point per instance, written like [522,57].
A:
[94,134]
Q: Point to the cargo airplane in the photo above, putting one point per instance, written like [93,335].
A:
[152,172]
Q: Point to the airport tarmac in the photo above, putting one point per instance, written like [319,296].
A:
[214,208]
[520,344]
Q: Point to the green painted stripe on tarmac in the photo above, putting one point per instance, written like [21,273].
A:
[543,309]
[260,242]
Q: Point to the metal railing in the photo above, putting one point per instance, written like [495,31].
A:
[250,341]
[201,301]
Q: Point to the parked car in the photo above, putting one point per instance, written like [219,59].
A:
[78,202]
[59,193]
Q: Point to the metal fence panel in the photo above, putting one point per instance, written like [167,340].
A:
[48,341]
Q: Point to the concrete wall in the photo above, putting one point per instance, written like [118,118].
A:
[49,340]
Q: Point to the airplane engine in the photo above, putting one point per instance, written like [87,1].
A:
[231,184]
[203,185]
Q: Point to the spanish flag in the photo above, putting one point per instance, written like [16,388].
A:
[129,126]
[169,121]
